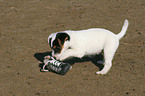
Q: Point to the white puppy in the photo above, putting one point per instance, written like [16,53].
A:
[86,42]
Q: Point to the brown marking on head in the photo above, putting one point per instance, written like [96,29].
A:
[59,41]
[54,47]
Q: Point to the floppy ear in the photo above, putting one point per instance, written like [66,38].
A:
[62,42]
[61,38]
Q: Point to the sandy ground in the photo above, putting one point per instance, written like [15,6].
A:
[25,26]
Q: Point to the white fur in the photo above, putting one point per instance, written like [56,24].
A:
[91,42]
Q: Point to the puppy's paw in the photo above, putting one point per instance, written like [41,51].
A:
[47,57]
[62,58]
[101,72]
[57,57]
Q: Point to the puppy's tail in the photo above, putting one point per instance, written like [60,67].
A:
[124,29]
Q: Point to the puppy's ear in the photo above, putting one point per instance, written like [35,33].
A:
[62,37]
[61,42]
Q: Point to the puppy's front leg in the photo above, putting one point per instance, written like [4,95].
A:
[71,53]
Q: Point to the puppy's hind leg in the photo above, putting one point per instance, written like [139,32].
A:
[109,52]
[101,62]
[106,68]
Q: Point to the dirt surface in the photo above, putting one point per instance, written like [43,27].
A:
[25,26]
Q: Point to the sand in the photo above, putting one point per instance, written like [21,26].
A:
[25,26]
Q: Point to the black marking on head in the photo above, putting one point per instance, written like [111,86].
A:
[56,47]
[59,42]
[50,41]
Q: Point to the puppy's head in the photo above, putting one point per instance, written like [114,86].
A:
[57,40]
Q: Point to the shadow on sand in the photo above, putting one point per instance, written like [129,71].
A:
[94,59]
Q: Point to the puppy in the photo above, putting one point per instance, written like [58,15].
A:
[86,42]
